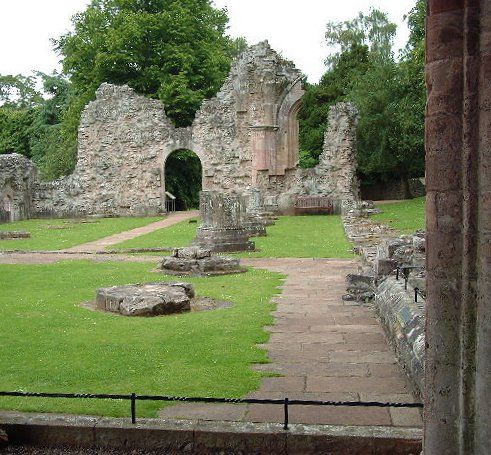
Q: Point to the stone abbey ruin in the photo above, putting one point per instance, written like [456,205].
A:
[245,137]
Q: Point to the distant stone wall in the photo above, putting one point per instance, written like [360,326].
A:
[394,189]
[245,137]
[18,177]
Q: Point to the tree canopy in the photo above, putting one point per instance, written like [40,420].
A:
[30,119]
[173,50]
[390,95]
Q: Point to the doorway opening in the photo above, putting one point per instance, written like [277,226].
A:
[183,178]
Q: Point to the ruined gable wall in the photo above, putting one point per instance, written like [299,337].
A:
[246,136]
[334,176]
[243,127]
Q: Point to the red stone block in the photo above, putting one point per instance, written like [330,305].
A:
[445,82]
[439,6]
[444,36]
[444,253]
[443,168]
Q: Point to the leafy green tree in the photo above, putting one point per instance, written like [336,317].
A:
[390,95]
[18,99]
[47,143]
[173,50]
[333,87]
[372,30]
[30,120]
[19,91]
[14,130]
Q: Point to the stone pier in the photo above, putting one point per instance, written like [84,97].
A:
[224,222]
[458,144]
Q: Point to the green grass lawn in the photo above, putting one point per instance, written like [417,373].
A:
[315,236]
[58,234]
[291,236]
[405,216]
[49,343]
[177,235]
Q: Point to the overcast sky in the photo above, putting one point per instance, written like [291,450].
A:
[293,27]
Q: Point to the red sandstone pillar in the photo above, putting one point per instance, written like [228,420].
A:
[458,168]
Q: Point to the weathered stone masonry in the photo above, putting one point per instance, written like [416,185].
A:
[246,137]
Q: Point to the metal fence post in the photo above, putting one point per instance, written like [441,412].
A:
[133,408]
[285,426]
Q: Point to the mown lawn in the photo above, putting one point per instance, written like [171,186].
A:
[177,235]
[304,237]
[291,236]
[57,234]
[405,216]
[49,343]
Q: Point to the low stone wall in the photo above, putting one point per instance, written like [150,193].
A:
[394,189]
[403,320]
[382,250]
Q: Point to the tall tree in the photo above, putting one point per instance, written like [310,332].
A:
[333,87]
[173,50]
[358,46]
[30,119]
[18,99]
[390,95]
[373,30]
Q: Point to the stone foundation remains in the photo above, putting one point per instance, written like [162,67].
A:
[12,235]
[382,250]
[196,261]
[245,137]
[152,299]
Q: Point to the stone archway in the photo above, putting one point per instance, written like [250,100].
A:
[183,178]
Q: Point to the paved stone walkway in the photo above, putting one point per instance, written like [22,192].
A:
[101,244]
[325,349]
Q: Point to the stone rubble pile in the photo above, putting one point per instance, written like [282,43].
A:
[382,250]
[152,299]
[197,261]
[10,235]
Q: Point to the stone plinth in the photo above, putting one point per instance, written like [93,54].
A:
[198,261]
[224,222]
[9,235]
[151,299]
[256,209]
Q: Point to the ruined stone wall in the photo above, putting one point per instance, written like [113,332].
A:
[377,284]
[246,137]
[18,177]
[334,176]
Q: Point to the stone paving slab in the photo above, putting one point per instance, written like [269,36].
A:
[325,349]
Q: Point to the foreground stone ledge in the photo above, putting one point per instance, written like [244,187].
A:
[403,321]
[190,436]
